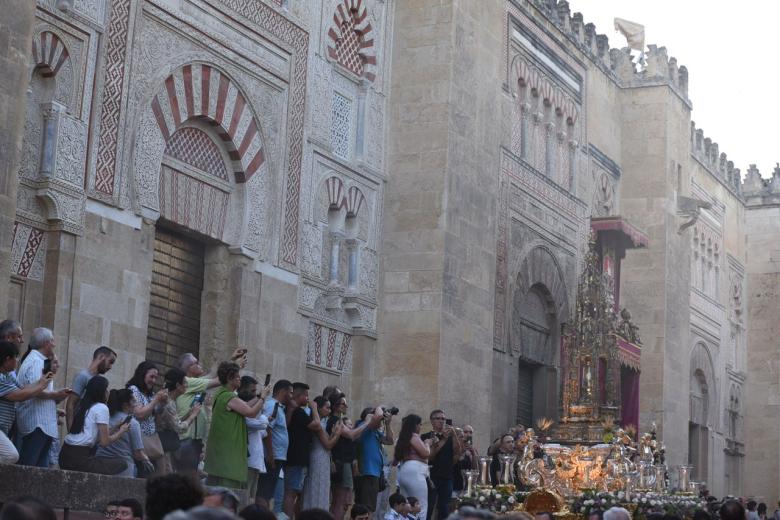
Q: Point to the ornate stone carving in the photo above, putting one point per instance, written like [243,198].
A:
[627,328]
[329,348]
[111,115]
[71,151]
[320,95]
[28,251]
[311,249]
[298,40]
[603,195]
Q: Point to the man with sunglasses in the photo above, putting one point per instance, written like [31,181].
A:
[445,450]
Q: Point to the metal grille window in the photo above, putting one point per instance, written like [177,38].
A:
[174,309]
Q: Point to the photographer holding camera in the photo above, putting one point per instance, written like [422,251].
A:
[446,449]
[371,456]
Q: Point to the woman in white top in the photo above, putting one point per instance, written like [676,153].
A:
[90,428]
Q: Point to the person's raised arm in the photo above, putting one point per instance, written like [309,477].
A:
[330,440]
[247,409]
[142,412]
[29,391]
[255,424]
[389,437]
[420,447]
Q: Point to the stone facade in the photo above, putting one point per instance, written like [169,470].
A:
[394,195]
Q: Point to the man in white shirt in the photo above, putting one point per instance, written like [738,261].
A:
[36,418]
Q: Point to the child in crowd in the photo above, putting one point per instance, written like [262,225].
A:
[399,507]
[414,508]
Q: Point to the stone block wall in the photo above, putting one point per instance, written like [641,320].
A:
[16,28]
[762,406]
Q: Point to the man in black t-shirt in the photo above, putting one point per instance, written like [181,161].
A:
[300,429]
[445,450]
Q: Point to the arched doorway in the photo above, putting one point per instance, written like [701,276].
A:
[702,411]
[537,372]
[199,159]
[539,307]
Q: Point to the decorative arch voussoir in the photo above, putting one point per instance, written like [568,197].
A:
[49,53]
[350,39]
[354,201]
[203,91]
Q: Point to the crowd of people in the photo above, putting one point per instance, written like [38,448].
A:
[225,429]
[292,454]
[181,497]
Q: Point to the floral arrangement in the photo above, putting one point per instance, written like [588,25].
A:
[682,506]
[641,504]
[591,499]
[498,500]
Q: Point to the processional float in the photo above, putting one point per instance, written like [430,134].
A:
[594,447]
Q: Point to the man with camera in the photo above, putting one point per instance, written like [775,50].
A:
[371,456]
[446,449]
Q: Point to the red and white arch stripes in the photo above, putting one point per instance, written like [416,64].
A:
[353,200]
[49,52]
[199,90]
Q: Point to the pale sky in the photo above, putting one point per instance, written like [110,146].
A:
[728,48]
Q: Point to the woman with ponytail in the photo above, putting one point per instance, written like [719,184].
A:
[90,428]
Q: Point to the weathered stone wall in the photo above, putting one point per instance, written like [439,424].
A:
[16,26]
[413,235]
[761,413]
[655,280]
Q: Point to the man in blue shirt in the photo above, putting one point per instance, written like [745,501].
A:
[274,409]
[371,456]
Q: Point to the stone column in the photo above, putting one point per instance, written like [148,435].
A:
[16,24]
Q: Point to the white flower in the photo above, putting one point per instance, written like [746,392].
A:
[621,494]
[481,499]
[653,503]
[498,496]
[644,499]
[511,500]
[603,500]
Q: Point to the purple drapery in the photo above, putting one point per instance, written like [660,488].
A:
[629,392]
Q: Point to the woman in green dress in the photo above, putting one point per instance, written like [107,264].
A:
[226,449]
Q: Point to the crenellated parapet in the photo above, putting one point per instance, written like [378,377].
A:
[759,191]
[707,152]
[616,63]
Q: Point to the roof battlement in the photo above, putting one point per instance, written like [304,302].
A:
[660,69]
[707,152]
[754,190]
[759,191]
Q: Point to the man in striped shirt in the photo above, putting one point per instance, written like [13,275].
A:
[10,393]
[36,419]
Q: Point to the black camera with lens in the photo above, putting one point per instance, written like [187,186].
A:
[392,409]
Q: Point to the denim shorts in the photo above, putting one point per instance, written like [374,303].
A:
[294,477]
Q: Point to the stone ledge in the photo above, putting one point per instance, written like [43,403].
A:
[73,490]
[68,490]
